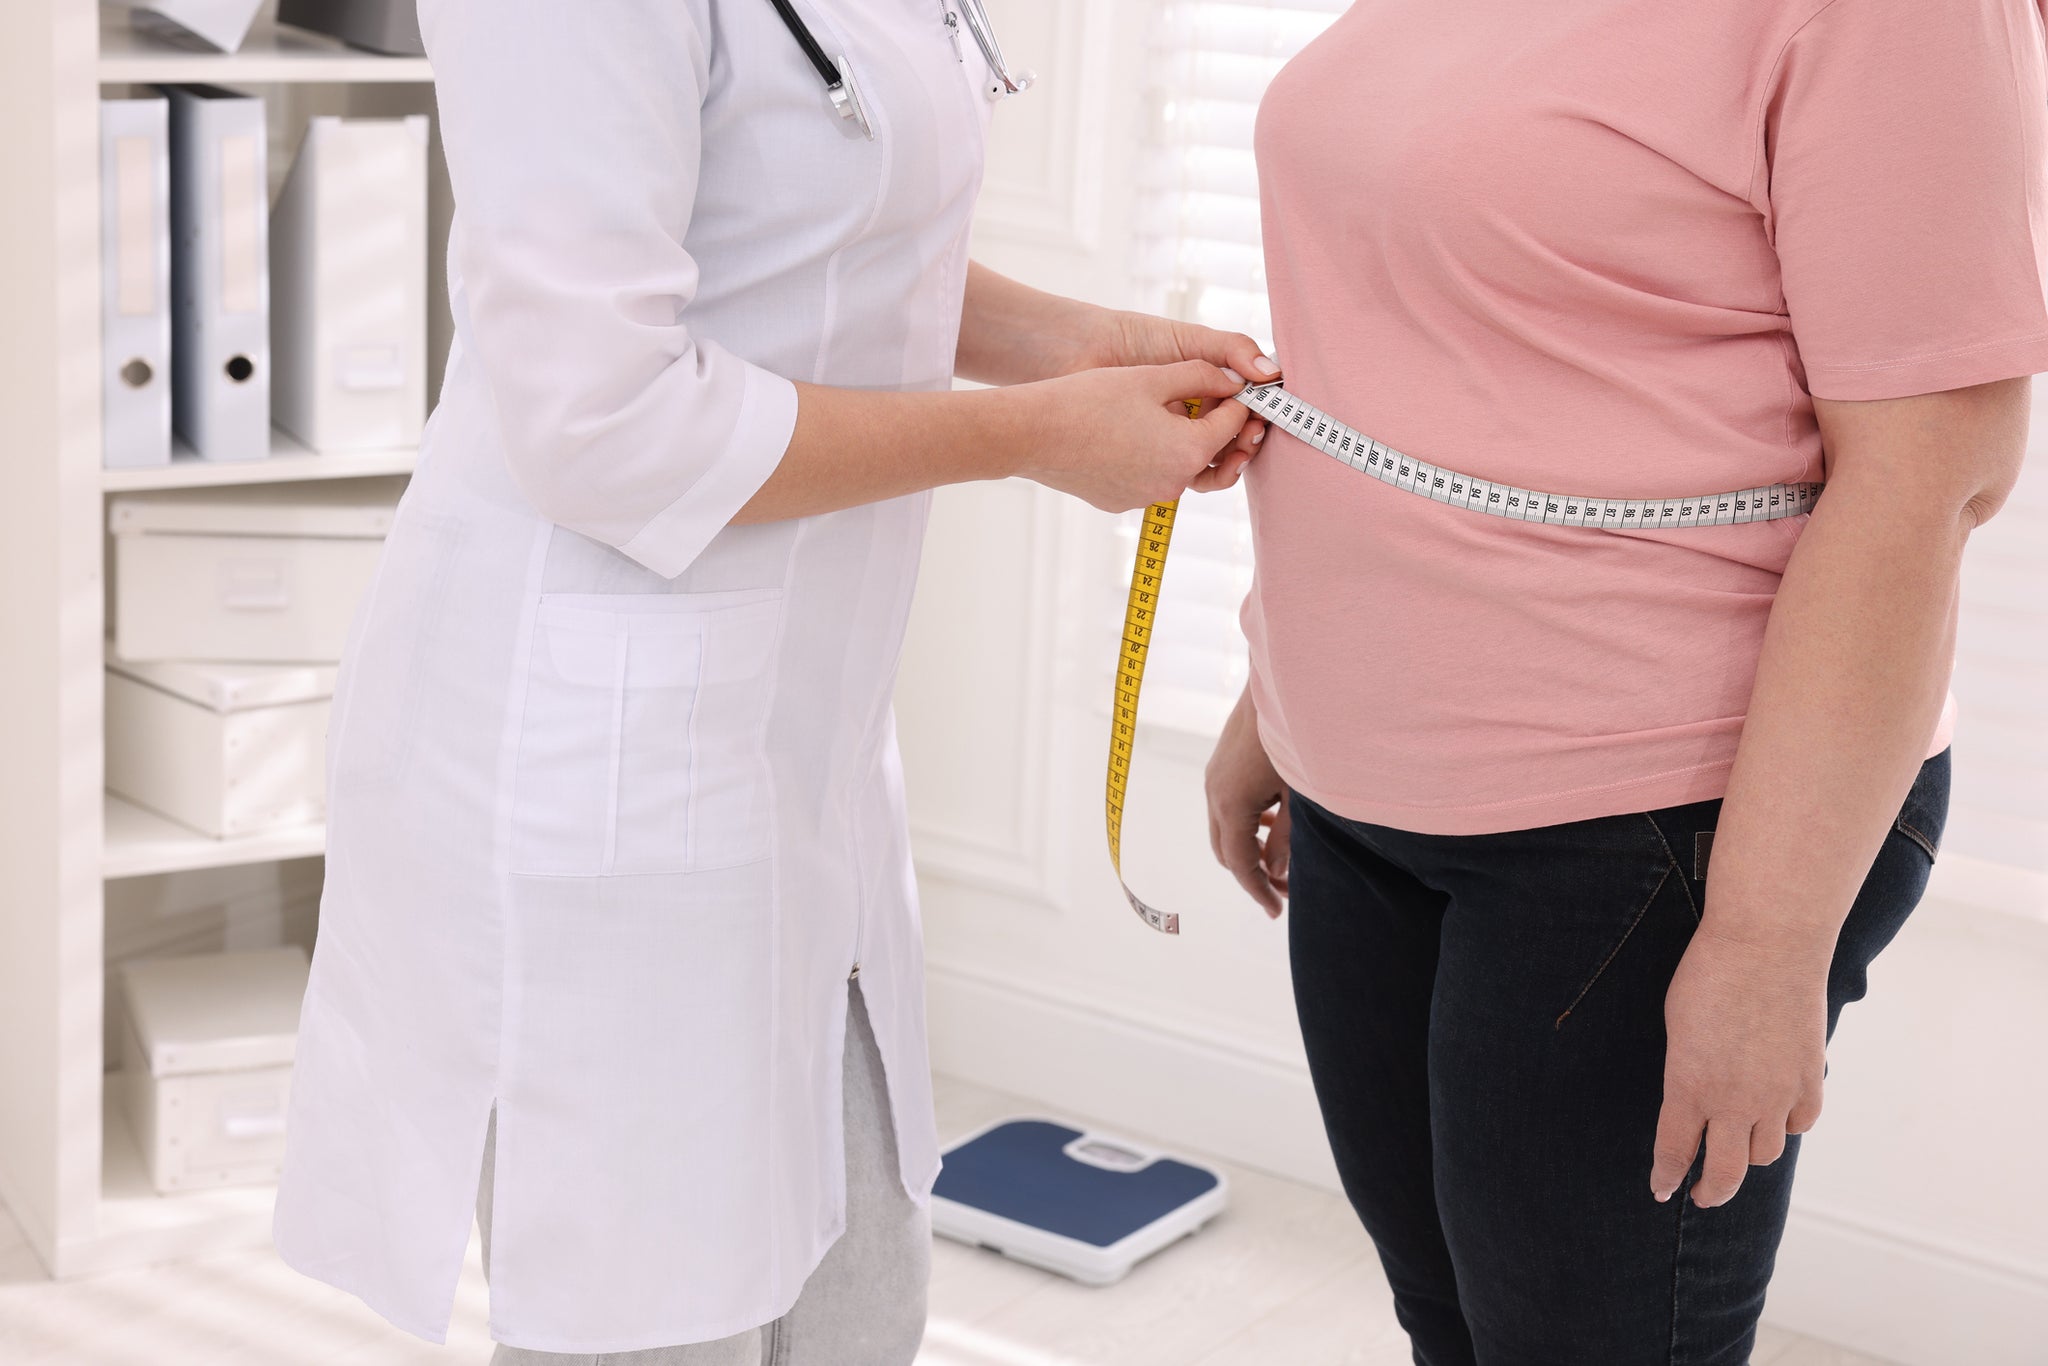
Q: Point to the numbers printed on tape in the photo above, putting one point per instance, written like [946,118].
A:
[1318,429]
[1389,466]
[1140,609]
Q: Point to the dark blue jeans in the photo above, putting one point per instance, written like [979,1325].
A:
[1484,1018]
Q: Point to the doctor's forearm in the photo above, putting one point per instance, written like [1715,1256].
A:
[1011,333]
[854,446]
[1116,438]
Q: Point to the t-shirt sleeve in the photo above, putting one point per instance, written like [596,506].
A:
[1903,177]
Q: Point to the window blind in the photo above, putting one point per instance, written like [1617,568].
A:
[1999,812]
[1198,256]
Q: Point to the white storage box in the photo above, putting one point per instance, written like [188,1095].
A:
[208,1064]
[269,574]
[228,749]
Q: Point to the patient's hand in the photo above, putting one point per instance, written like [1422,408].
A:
[1248,821]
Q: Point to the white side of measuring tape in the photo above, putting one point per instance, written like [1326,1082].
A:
[1389,466]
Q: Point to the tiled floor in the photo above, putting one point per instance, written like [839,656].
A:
[1284,1279]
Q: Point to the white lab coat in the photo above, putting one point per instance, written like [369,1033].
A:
[616,806]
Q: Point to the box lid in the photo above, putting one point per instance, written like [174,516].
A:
[216,1012]
[344,508]
[233,687]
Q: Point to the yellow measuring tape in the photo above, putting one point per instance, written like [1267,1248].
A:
[1140,610]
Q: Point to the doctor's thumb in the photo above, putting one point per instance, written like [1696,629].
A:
[1198,379]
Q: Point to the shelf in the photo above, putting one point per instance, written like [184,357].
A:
[271,56]
[137,1226]
[139,843]
[288,462]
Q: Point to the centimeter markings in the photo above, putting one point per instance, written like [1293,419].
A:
[1389,466]
[1318,429]
[1140,610]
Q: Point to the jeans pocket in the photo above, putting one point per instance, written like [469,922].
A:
[642,741]
[1604,893]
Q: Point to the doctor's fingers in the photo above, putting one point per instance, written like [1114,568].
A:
[1246,442]
[1226,420]
[1192,379]
[1227,470]
[1233,350]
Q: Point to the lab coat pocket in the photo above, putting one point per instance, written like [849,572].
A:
[642,744]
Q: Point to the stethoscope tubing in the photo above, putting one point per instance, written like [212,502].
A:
[808,41]
[835,78]
[985,38]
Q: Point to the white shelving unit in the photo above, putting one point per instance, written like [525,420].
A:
[270,56]
[289,462]
[139,843]
[69,1171]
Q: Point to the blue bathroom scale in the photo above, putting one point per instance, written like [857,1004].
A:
[1082,1204]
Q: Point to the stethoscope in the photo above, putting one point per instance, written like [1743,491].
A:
[838,75]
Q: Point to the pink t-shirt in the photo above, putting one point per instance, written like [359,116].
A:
[1603,247]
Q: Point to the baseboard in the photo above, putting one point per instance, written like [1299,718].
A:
[1904,1297]
[40,1240]
[1152,1080]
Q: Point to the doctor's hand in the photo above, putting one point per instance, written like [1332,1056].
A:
[1124,338]
[1012,334]
[1248,818]
[1122,438]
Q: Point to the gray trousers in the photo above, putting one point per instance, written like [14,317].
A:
[865,1304]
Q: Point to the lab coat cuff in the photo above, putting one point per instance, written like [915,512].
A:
[674,538]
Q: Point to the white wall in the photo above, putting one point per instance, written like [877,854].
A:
[50,804]
[1921,1223]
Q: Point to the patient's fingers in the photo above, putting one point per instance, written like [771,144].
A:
[1279,823]
[1242,855]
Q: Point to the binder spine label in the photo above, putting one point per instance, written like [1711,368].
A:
[242,211]
[135,249]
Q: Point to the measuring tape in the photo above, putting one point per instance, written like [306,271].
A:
[1347,444]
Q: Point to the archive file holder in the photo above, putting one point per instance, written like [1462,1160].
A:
[348,286]
[135,283]
[220,273]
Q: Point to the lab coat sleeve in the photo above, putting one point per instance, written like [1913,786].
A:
[572,134]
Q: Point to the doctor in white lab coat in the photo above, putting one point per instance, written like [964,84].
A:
[616,815]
